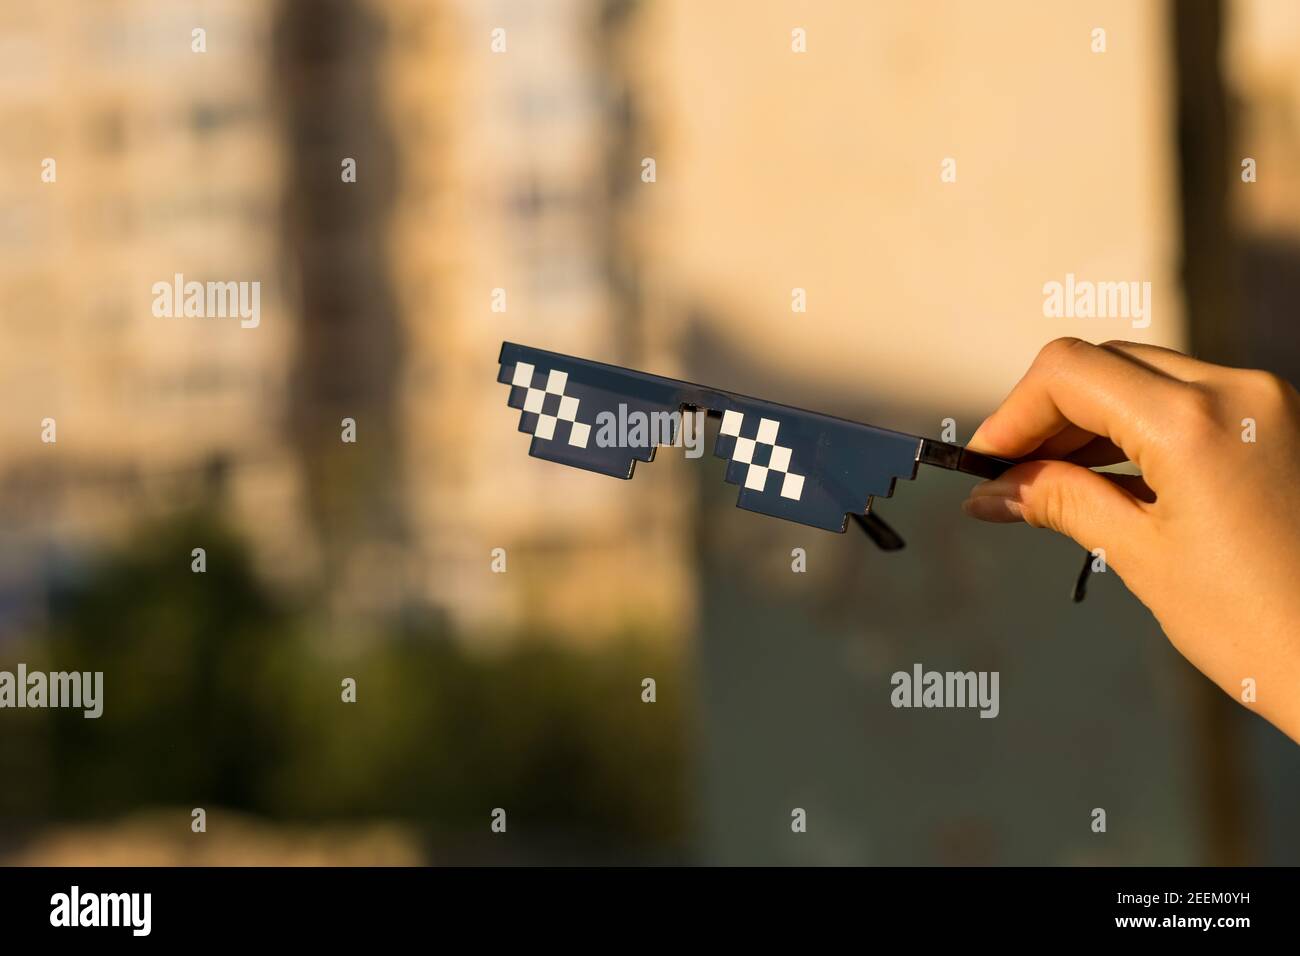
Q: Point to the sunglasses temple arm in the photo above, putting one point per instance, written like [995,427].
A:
[942,454]
[956,458]
[876,528]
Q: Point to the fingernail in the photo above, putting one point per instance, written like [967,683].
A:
[977,441]
[998,488]
[994,508]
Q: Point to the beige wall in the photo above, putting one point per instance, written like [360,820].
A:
[822,170]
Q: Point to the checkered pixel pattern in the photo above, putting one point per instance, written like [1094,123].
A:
[825,468]
[551,405]
[762,454]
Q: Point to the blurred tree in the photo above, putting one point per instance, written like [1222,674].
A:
[217,696]
[188,718]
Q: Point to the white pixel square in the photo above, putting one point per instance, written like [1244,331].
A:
[578,434]
[523,375]
[744,451]
[731,422]
[780,460]
[556,381]
[756,478]
[533,403]
[546,426]
[568,408]
[792,487]
[767,429]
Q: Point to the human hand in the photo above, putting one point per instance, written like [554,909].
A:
[1208,538]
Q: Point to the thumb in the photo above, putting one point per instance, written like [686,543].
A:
[1068,498]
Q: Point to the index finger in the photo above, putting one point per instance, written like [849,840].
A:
[1072,382]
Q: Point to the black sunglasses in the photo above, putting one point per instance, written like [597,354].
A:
[803,466]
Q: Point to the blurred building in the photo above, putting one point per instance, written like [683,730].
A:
[162,161]
[517,181]
[491,194]
[475,171]
[337,206]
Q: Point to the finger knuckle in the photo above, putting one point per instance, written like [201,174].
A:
[1060,350]
[1050,512]
[1195,416]
[1052,506]
[1269,392]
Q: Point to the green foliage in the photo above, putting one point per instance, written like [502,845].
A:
[216,696]
[186,715]
[558,737]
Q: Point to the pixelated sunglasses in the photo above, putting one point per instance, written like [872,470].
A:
[803,466]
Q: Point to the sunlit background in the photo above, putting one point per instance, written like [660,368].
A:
[522,169]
